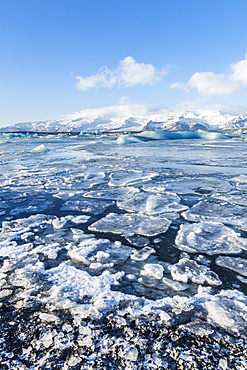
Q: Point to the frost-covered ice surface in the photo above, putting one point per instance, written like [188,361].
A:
[122,257]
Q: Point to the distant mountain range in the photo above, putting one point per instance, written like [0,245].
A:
[138,118]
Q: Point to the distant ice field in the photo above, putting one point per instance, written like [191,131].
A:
[159,227]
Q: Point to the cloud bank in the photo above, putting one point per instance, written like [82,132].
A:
[209,83]
[128,74]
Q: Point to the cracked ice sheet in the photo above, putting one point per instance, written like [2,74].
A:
[219,211]
[127,225]
[210,238]
[152,204]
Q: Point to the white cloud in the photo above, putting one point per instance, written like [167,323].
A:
[209,83]
[239,71]
[104,78]
[124,100]
[128,74]
[131,73]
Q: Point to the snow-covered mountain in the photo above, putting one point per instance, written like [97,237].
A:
[137,118]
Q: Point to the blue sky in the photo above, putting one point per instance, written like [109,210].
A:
[61,56]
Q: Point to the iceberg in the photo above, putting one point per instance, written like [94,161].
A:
[40,149]
[166,135]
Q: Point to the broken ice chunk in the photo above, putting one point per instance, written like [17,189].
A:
[50,250]
[25,224]
[210,238]
[128,225]
[142,254]
[71,284]
[63,222]
[87,206]
[153,270]
[138,241]
[214,210]
[151,204]
[175,285]
[187,270]
[228,309]
[16,252]
[126,178]
[238,265]
[242,279]
[85,249]
[99,251]
[48,317]
[197,327]
[65,195]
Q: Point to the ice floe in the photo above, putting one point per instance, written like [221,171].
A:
[236,264]
[142,254]
[216,210]
[209,237]
[152,204]
[99,253]
[131,224]
[87,206]
[153,270]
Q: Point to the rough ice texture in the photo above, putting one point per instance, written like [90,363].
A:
[190,271]
[209,237]
[99,253]
[153,270]
[228,310]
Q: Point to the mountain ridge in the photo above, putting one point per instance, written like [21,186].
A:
[137,118]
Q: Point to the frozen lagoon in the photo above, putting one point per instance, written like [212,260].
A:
[95,234]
